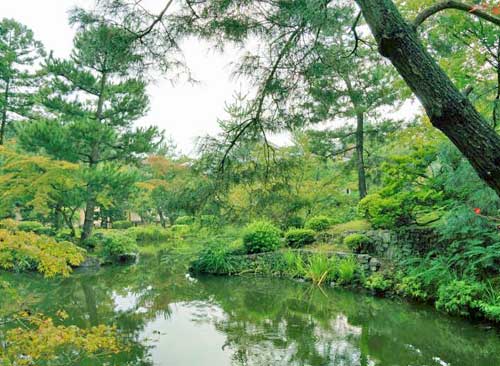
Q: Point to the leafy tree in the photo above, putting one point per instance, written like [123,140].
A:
[19,52]
[41,184]
[92,101]
[290,32]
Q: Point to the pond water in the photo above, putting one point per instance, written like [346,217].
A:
[171,319]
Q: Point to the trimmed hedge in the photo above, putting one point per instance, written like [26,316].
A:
[261,236]
[297,238]
[318,223]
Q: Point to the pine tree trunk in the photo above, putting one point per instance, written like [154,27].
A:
[88,223]
[4,112]
[448,109]
[359,155]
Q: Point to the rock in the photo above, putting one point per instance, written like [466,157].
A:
[127,257]
[90,262]
[374,264]
[363,258]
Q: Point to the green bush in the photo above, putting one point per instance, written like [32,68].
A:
[149,234]
[261,236]
[114,246]
[459,297]
[294,222]
[382,212]
[358,243]
[297,238]
[122,224]
[413,286]
[210,221]
[179,229]
[35,227]
[318,223]
[378,283]
[184,220]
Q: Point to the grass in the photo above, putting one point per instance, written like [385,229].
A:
[355,225]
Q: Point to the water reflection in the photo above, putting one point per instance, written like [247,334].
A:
[169,319]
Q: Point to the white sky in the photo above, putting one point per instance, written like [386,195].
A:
[185,111]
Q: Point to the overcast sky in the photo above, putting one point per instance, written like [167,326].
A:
[185,111]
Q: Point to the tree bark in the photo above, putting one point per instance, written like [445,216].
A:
[359,155]
[88,223]
[448,109]
[4,112]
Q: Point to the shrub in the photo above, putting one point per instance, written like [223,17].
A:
[318,223]
[382,212]
[378,283]
[122,224]
[297,238]
[149,234]
[413,286]
[261,236]
[184,220]
[210,221]
[358,243]
[35,227]
[22,251]
[114,246]
[459,297]
[294,222]
[346,269]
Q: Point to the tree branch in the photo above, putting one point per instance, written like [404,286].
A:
[457,5]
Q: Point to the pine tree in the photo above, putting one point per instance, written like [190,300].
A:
[92,101]
[19,53]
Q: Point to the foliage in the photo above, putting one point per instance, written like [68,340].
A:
[19,52]
[294,222]
[21,251]
[35,227]
[459,297]
[261,236]
[358,243]
[319,268]
[297,238]
[318,223]
[184,220]
[113,245]
[382,212]
[216,257]
[122,224]
[413,287]
[149,234]
[347,269]
[378,283]
[39,341]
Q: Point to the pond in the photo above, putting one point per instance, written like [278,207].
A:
[171,319]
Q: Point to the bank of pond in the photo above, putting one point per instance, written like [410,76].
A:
[197,294]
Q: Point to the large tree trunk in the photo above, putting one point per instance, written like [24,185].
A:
[359,155]
[4,112]
[88,223]
[448,109]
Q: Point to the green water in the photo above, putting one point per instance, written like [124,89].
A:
[173,320]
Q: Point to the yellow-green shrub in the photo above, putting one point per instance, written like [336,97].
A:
[28,251]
